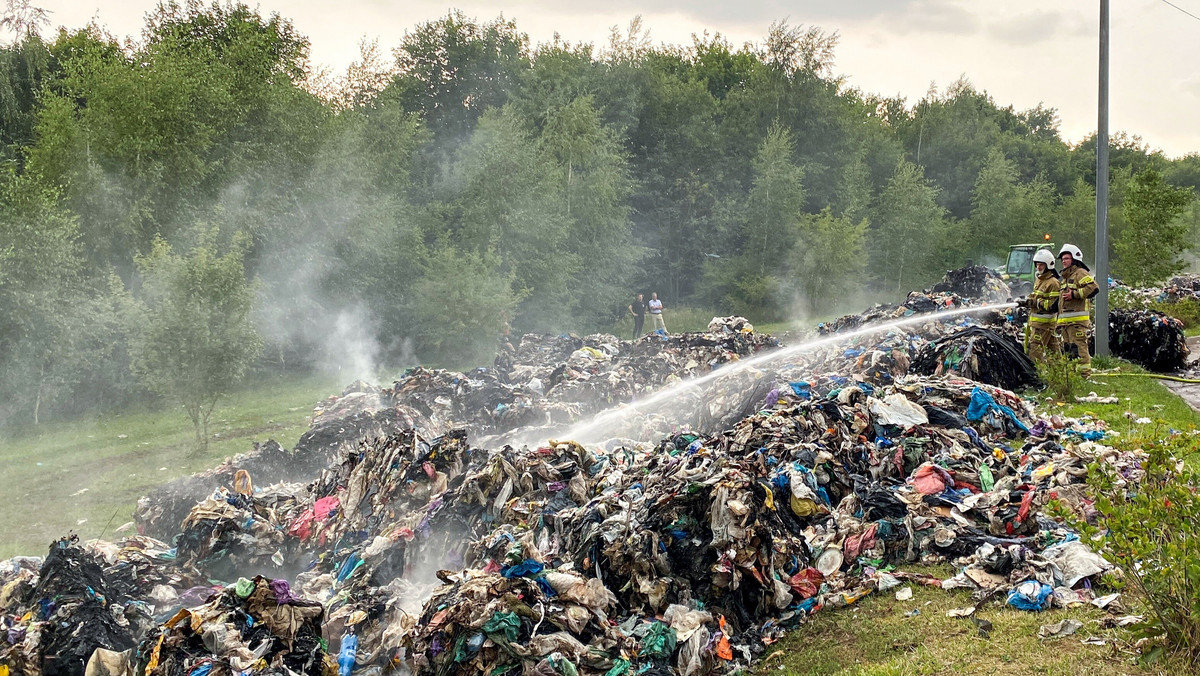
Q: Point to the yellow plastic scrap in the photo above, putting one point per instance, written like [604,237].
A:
[242,484]
[850,597]
[356,617]
[152,664]
[1043,471]
[803,506]
[999,454]
[178,617]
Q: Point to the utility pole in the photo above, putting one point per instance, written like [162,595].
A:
[1102,191]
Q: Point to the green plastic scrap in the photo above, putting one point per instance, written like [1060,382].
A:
[620,667]
[563,666]
[461,653]
[660,640]
[243,587]
[986,481]
[505,624]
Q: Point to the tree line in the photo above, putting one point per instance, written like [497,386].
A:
[197,203]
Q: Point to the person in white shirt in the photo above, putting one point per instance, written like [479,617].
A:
[656,308]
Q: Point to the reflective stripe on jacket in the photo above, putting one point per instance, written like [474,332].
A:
[1043,308]
[1083,286]
[1068,317]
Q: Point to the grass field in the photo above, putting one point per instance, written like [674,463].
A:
[1139,396]
[881,636]
[87,475]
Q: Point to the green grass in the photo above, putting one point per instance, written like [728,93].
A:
[86,475]
[877,636]
[1192,331]
[1139,396]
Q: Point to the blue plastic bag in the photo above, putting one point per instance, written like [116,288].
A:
[1031,595]
[526,568]
[983,405]
[802,390]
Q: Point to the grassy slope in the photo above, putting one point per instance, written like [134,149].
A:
[878,638]
[115,459]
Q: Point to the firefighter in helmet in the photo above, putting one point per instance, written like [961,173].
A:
[1078,286]
[1043,307]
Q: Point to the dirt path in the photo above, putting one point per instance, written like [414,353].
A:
[1189,392]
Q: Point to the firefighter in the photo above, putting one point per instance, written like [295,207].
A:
[1043,307]
[1077,287]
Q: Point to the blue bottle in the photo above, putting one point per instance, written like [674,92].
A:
[347,654]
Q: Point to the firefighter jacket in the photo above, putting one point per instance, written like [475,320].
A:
[1043,302]
[1080,282]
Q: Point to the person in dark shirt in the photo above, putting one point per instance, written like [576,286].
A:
[638,310]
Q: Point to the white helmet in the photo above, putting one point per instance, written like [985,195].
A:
[1076,254]
[1044,256]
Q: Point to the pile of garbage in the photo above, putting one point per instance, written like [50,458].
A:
[1183,287]
[160,512]
[254,625]
[980,354]
[686,556]
[58,612]
[1152,339]
[715,521]
[559,380]
[977,282]
[691,556]
[917,302]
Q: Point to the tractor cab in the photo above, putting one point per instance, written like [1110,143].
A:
[1018,270]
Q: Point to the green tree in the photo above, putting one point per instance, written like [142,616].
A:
[775,205]
[25,68]
[454,69]
[677,164]
[1149,248]
[460,305]
[147,139]
[1005,211]
[594,188]
[192,335]
[906,221]
[501,198]
[766,225]
[56,332]
[1075,220]
[828,259]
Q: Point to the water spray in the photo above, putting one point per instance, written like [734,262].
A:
[614,415]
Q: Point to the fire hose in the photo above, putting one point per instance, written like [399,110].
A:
[1156,376]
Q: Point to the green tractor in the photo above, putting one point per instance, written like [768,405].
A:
[1018,271]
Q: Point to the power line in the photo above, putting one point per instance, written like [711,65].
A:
[1197,18]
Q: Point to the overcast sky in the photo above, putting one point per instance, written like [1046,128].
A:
[1021,51]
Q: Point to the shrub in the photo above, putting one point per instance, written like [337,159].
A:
[1061,375]
[1149,530]
[1186,310]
